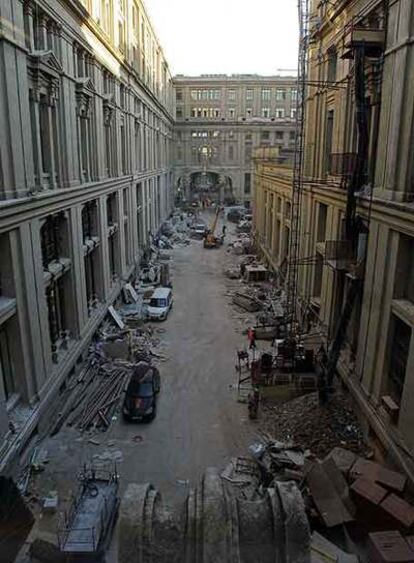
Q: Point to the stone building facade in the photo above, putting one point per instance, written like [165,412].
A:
[86,120]
[219,121]
[377,357]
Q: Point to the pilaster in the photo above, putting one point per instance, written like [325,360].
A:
[78,270]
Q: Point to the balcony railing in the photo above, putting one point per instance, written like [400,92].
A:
[372,39]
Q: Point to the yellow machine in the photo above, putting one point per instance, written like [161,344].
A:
[210,240]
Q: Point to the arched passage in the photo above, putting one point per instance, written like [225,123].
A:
[211,185]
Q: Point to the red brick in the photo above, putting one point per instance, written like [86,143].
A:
[399,509]
[369,490]
[378,473]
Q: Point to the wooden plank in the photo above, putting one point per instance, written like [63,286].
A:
[340,484]
[326,498]
[324,551]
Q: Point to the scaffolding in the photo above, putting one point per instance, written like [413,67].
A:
[297,185]
[358,43]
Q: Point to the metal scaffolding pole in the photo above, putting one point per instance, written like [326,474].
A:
[297,184]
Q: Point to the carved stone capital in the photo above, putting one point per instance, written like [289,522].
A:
[83,106]
[108,115]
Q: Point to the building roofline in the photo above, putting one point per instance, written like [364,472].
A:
[233,78]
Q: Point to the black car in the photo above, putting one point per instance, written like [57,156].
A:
[140,402]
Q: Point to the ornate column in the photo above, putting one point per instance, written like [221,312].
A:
[28,28]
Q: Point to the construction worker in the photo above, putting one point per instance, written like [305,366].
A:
[251,337]
[253,402]
[223,230]
[320,368]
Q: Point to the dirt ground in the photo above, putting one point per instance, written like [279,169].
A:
[199,422]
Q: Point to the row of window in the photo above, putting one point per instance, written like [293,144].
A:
[281,94]
[264,135]
[56,245]
[216,155]
[42,33]
[151,147]
[214,113]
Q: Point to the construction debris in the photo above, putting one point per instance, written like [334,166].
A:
[319,428]
[246,302]
[343,459]
[389,547]
[376,472]
[256,273]
[322,551]
[232,273]
[244,226]
[329,492]
[116,317]
[399,510]
[244,244]
[50,503]
[99,405]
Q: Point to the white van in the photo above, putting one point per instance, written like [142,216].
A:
[160,304]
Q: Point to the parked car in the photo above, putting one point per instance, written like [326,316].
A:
[199,230]
[160,304]
[140,402]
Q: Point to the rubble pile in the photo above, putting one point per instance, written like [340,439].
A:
[244,226]
[92,399]
[243,244]
[342,489]
[257,293]
[246,302]
[319,428]
[97,406]
[145,346]
[175,231]
[256,290]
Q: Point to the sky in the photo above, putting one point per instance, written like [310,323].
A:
[226,36]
